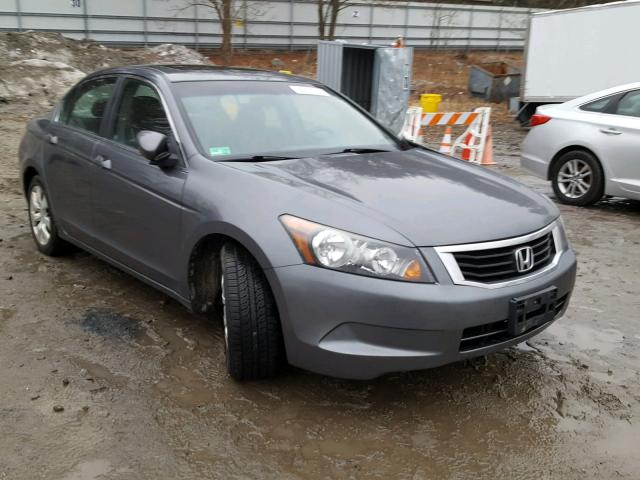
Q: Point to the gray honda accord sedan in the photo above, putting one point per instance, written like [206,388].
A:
[326,241]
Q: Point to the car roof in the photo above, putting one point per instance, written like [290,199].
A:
[193,73]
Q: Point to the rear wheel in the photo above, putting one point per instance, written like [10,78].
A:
[577,178]
[43,225]
[252,334]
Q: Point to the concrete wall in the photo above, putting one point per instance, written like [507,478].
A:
[270,23]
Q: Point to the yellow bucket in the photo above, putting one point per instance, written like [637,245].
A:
[429,102]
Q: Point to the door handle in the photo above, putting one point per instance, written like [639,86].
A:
[610,131]
[53,139]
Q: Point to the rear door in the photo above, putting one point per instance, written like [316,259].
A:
[69,155]
[138,206]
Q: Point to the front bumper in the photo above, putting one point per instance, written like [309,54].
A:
[352,326]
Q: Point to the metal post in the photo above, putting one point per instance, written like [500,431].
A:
[290,25]
[436,18]
[371,10]
[499,29]
[19,15]
[196,27]
[406,21]
[86,19]
[144,22]
[470,28]
[244,22]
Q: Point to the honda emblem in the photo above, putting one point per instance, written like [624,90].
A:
[524,259]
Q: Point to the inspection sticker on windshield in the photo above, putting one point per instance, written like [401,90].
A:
[301,90]
[219,151]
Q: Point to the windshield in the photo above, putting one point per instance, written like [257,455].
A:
[248,118]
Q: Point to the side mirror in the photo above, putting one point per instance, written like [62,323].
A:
[154,147]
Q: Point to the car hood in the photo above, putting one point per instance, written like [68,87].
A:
[428,198]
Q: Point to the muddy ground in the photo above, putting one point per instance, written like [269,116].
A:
[103,377]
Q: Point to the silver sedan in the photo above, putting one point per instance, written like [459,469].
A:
[588,147]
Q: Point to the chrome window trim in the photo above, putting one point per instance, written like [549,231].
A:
[446,256]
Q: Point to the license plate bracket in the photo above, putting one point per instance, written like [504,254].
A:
[530,311]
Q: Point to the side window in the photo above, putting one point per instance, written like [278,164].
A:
[597,106]
[140,109]
[86,107]
[629,104]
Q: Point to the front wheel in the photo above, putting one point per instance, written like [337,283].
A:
[577,178]
[42,222]
[252,333]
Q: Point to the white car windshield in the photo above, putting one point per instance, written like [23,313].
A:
[234,119]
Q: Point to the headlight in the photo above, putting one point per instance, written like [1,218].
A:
[339,250]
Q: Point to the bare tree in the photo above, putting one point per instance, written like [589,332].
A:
[227,11]
[328,12]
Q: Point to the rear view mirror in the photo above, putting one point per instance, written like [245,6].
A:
[154,147]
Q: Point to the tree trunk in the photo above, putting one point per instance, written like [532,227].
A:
[227,31]
[335,11]
[321,25]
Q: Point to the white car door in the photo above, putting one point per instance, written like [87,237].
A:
[619,142]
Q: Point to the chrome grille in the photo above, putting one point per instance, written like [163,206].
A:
[498,264]
[493,264]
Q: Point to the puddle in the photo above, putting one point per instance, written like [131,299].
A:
[620,445]
[99,373]
[91,470]
[603,341]
[111,325]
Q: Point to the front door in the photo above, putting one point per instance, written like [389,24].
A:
[69,154]
[620,136]
[138,206]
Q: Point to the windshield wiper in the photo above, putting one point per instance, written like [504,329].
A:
[359,150]
[260,158]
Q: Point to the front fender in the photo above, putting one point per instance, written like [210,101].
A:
[245,239]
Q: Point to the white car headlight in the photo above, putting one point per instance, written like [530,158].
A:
[339,250]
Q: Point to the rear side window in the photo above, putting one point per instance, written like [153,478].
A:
[599,105]
[629,104]
[86,107]
[140,109]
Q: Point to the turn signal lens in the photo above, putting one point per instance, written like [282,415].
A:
[413,271]
[300,230]
[339,250]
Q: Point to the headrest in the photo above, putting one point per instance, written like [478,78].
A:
[98,108]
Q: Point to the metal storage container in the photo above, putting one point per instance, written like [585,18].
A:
[376,77]
[494,81]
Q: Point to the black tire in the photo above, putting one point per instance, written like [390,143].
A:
[596,186]
[54,245]
[253,337]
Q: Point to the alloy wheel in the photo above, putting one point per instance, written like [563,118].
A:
[575,178]
[40,215]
